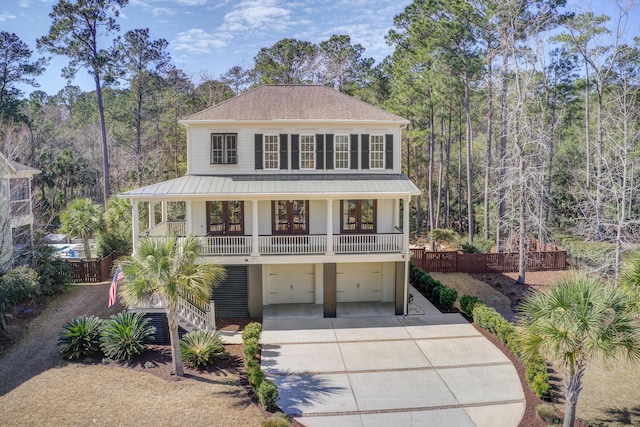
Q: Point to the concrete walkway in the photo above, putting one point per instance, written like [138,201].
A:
[425,369]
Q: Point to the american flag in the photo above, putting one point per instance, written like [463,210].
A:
[114,286]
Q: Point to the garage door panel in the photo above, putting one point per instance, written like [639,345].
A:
[291,284]
[358,282]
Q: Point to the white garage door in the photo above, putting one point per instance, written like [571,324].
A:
[291,283]
[358,282]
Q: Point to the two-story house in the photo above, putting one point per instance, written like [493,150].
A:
[16,209]
[298,192]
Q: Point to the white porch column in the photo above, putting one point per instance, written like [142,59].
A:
[396,214]
[163,205]
[189,223]
[254,228]
[407,255]
[329,227]
[152,215]
[134,221]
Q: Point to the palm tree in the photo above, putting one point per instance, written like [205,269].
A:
[160,268]
[630,279]
[580,318]
[82,218]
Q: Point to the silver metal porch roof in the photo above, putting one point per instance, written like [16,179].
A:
[309,186]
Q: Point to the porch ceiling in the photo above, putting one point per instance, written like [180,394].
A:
[309,186]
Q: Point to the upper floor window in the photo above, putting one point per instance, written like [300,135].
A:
[341,152]
[376,152]
[224,148]
[271,152]
[307,151]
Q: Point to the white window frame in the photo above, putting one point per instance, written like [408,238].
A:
[228,151]
[347,143]
[307,152]
[273,162]
[376,156]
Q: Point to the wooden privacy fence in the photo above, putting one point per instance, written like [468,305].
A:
[454,262]
[92,271]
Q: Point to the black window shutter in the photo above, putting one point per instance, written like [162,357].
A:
[295,151]
[388,148]
[319,151]
[258,150]
[365,151]
[354,151]
[283,151]
[329,150]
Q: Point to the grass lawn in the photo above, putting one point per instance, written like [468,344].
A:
[107,396]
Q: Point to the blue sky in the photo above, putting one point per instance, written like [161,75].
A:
[211,36]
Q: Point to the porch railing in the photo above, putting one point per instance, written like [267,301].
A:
[307,244]
[289,245]
[367,243]
[170,228]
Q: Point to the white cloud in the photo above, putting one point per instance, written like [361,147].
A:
[198,41]
[5,16]
[257,14]
[192,2]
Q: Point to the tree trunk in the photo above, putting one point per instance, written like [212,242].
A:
[105,149]
[447,189]
[469,141]
[432,143]
[503,157]
[587,139]
[440,223]
[522,255]
[139,135]
[573,386]
[176,356]
[487,170]
[87,247]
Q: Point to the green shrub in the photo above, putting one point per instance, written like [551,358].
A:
[125,335]
[268,395]
[547,413]
[251,362]
[467,302]
[17,285]
[55,275]
[538,376]
[251,349]
[446,297]
[252,330]
[278,420]
[80,337]
[469,249]
[201,348]
[255,376]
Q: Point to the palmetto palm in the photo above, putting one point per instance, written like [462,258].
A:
[82,218]
[579,319]
[160,268]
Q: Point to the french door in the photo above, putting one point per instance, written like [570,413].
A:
[225,218]
[290,216]
[358,216]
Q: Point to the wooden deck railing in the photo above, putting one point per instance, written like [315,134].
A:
[454,262]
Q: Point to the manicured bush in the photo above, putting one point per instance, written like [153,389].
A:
[255,376]
[538,376]
[54,273]
[80,337]
[446,297]
[252,330]
[268,395]
[251,349]
[467,303]
[125,335]
[201,348]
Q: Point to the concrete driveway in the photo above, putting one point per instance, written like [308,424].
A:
[425,369]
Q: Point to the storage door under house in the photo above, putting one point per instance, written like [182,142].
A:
[231,297]
[294,283]
[358,282]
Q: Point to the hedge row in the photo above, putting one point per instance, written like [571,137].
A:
[489,319]
[442,296]
[264,388]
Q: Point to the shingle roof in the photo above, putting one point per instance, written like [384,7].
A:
[308,186]
[294,102]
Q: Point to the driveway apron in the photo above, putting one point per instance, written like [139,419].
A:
[427,368]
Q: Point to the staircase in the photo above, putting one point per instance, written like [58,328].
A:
[193,316]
